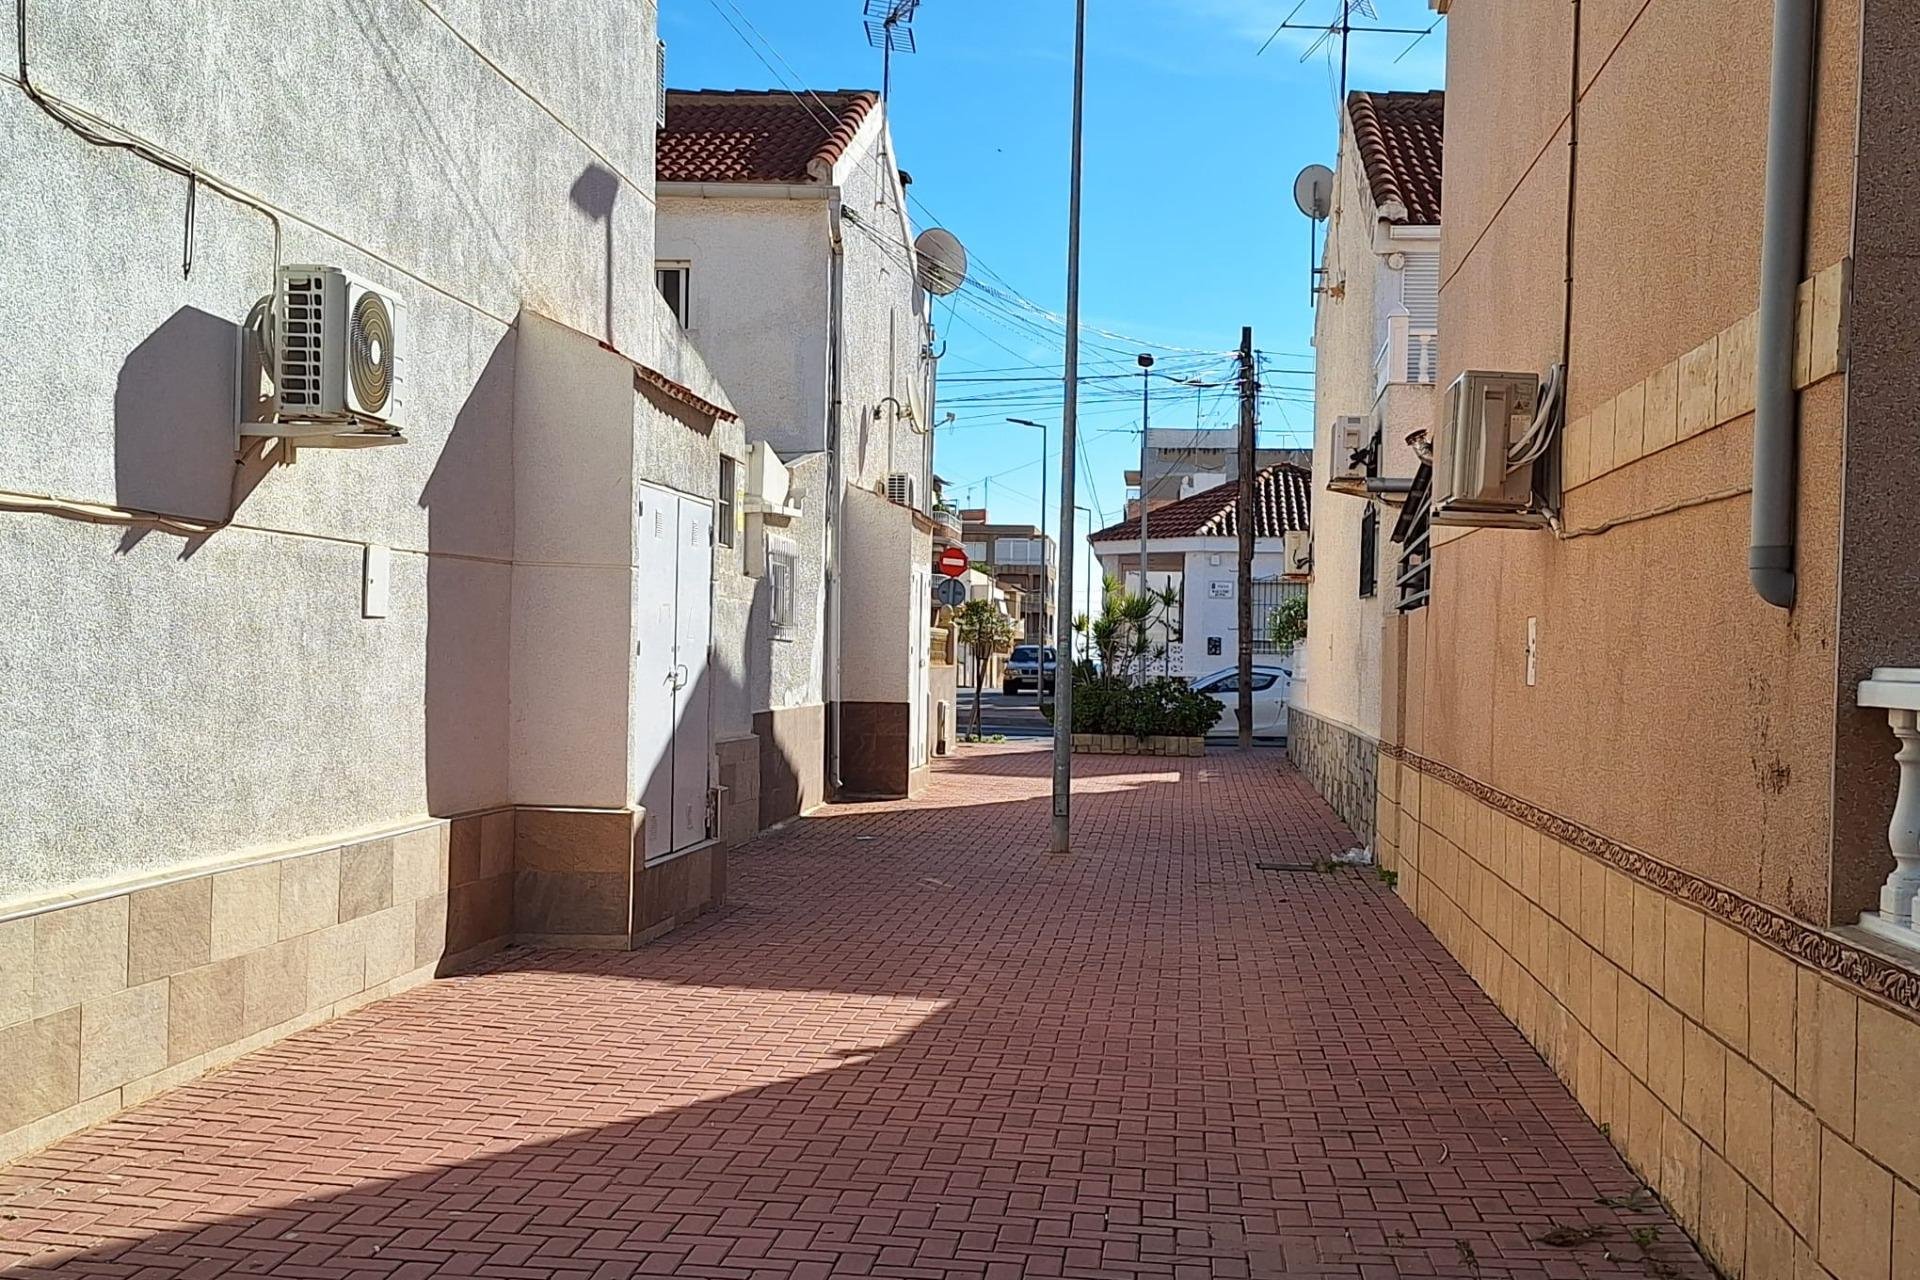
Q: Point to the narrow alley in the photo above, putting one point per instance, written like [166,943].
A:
[913,1045]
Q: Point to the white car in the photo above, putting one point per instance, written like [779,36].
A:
[1270,687]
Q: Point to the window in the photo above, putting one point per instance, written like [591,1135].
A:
[977,552]
[723,516]
[781,567]
[1369,552]
[1413,532]
[675,280]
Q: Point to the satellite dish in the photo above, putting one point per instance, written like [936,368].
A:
[943,261]
[1313,191]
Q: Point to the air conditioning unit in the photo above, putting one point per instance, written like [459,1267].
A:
[336,373]
[1352,434]
[1299,552]
[1486,414]
[900,488]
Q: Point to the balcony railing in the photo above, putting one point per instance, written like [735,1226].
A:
[1896,691]
[1406,355]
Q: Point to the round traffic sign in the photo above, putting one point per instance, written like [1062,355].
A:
[950,592]
[952,562]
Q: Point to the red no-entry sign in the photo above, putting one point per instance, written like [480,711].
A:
[952,562]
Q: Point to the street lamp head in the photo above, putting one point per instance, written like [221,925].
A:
[1146,361]
[1027,422]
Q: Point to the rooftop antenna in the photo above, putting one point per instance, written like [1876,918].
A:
[1343,27]
[890,27]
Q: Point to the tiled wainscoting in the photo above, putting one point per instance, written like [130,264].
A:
[1339,763]
[1759,1073]
[793,761]
[110,999]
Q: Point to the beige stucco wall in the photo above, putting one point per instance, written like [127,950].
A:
[1674,710]
[1339,679]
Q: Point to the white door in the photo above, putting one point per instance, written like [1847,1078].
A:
[919,688]
[672,732]
[693,631]
[655,668]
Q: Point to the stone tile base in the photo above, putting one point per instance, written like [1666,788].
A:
[1125,744]
[107,1000]
[793,761]
[1341,764]
[874,759]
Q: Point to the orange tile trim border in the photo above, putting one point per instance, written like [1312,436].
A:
[1817,948]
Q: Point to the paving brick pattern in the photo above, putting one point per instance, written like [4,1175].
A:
[915,1047]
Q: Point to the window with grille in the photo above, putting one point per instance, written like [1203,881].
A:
[1369,552]
[782,566]
[1413,533]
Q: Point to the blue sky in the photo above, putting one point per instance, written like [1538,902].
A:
[1189,231]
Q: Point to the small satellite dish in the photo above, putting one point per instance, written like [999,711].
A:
[1313,191]
[943,261]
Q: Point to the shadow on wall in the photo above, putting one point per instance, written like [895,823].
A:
[594,193]
[469,596]
[173,427]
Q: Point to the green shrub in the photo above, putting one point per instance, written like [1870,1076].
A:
[1160,707]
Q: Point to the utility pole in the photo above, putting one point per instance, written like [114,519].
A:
[1243,524]
[1146,395]
[1060,839]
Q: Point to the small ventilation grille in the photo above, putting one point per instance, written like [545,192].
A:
[300,329]
[370,353]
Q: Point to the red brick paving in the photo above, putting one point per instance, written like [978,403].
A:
[915,1047]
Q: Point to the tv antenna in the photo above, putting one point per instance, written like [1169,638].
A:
[890,27]
[1344,28]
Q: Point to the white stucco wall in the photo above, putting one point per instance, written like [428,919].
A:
[1340,678]
[759,286]
[172,697]
[761,315]
[883,546]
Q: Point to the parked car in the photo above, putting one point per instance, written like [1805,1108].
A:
[1023,668]
[1270,686]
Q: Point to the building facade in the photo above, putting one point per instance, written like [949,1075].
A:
[289,728]
[1635,771]
[1376,341]
[1024,560]
[786,251]
[1193,550]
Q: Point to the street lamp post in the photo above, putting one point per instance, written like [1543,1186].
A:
[1040,669]
[1060,839]
[1146,383]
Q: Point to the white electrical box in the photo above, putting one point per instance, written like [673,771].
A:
[1473,484]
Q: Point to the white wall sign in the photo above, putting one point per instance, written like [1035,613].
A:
[1220,590]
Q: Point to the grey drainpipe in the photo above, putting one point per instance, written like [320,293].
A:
[1783,251]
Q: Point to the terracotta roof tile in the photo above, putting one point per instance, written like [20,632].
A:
[1281,502]
[751,135]
[1399,137]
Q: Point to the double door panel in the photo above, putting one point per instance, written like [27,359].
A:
[672,713]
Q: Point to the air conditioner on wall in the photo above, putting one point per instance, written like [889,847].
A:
[900,488]
[1474,481]
[1299,552]
[338,346]
[1352,434]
